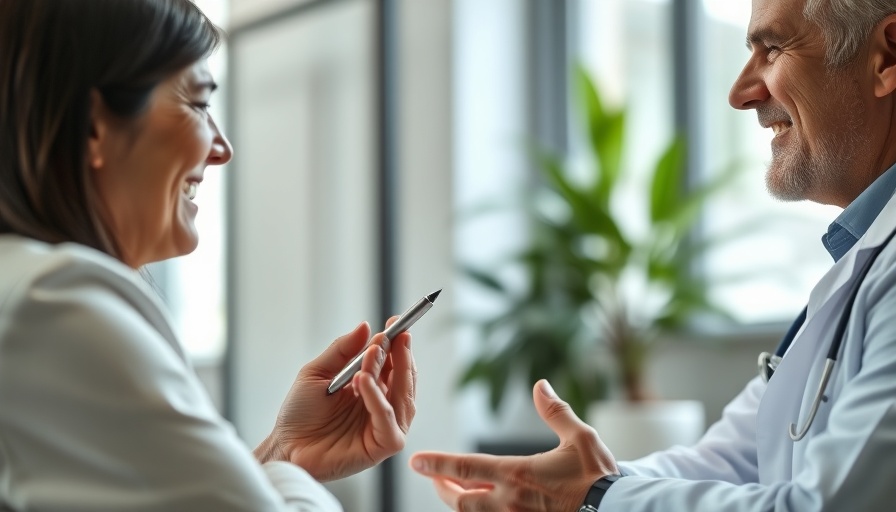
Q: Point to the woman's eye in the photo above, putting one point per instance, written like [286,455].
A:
[202,106]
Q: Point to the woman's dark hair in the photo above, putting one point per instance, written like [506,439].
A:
[53,54]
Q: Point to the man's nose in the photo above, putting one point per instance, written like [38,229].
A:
[749,90]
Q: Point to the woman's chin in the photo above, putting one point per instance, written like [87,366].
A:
[188,243]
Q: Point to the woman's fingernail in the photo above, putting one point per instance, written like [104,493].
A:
[547,390]
[419,465]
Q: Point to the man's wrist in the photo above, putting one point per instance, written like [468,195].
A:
[596,493]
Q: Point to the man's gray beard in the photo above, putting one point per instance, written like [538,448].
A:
[794,174]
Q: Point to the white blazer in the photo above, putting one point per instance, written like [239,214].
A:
[100,410]
[846,462]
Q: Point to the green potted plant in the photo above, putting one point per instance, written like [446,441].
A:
[593,288]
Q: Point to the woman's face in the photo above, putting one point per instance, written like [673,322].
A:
[147,170]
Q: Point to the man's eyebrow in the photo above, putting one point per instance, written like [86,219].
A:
[762,35]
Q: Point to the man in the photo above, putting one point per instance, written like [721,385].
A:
[822,75]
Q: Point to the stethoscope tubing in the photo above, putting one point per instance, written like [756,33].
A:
[836,342]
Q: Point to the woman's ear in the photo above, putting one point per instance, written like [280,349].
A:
[99,130]
[883,57]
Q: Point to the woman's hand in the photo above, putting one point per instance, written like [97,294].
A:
[552,481]
[334,436]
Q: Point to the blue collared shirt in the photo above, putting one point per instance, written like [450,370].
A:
[855,220]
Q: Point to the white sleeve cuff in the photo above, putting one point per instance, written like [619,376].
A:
[300,491]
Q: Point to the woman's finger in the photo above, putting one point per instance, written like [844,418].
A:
[386,432]
[374,359]
[403,383]
[387,345]
[391,320]
[386,373]
[342,350]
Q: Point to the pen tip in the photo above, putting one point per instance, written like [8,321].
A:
[432,296]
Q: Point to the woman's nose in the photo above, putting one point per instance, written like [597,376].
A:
[221,151]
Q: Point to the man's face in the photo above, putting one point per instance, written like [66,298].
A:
[822,142]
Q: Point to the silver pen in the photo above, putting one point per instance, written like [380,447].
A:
[403,323]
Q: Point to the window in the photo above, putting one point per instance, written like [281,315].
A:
[624,45]
[765,276]
[783,259]
[194,286]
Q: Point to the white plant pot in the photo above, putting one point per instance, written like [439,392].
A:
[632,430]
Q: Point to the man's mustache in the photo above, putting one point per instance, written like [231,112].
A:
[771,114]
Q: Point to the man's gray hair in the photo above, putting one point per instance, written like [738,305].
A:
[846,24]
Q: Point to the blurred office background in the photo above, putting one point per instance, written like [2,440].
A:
[362,127]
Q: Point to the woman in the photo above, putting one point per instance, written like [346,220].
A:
[104,138]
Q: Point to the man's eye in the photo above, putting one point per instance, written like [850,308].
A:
[772,52]
[201,106]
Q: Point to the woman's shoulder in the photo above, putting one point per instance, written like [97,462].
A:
[28,261]
[30,269]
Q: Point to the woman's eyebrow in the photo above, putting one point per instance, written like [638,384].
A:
[211,85]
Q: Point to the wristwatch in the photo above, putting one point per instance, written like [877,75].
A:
[596,493]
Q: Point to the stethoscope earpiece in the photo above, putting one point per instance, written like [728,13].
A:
[768,363]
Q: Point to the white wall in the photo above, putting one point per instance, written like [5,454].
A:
[244,11]
[304,223]
[425,254]
[303,232]
[491,125]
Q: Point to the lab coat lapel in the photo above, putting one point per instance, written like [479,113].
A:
[782,401]
[792,389]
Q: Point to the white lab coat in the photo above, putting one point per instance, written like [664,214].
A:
[846,462]
[100,411]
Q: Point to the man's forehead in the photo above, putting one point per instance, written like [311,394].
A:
[782,6]
[772,19]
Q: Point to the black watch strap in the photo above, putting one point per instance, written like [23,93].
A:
[596,493]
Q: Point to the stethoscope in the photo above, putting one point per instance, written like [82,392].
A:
[768,362]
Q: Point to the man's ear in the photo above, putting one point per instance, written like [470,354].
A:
[99,131]
[883,56]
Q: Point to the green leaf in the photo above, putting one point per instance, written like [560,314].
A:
[605,130]
[576,395]
[571,270]
[498,378]
[483,278]
[477,370]
[666,189]
[588,215]
[589,99]
[685,216]
[608,147]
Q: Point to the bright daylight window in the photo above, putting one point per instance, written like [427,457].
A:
[766,276]
[193,286]
[783,258]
